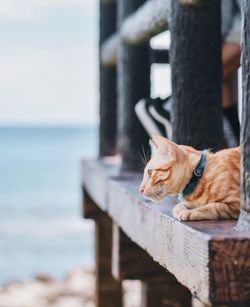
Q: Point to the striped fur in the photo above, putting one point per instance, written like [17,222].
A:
[217,195]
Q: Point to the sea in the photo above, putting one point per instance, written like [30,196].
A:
[41,227]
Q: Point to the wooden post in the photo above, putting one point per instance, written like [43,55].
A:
[159,287]
[108,93]
[133,84]
[196,73]
[160,56]
[164,294]
[108,290]
[244,220]
[130,261]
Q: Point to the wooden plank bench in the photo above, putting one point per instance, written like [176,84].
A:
[210,258]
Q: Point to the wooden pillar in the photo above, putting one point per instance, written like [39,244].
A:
[108,290]
[133,84]
[164,294]
[130,261]
[244,220]
[159,287]
[196,73]
[108,92]
[160,56]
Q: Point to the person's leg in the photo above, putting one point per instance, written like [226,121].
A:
[231,62]
[154,114]
[230,59]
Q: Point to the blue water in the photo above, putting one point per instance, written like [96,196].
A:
[41,229]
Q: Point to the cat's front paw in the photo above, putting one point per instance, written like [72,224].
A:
[181,212]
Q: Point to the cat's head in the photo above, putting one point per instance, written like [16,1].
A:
[165,173]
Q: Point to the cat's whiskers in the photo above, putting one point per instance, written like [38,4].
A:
[143,159]
[140,161]
[141,165]
[146,155]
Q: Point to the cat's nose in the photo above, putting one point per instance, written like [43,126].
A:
[141,189]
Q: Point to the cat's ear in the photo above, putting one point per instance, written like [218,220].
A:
[167,148]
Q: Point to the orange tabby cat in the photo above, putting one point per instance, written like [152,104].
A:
[215,195]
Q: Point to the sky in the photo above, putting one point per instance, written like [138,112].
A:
[48,62]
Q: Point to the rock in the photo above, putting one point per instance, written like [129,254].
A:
[44,278]
[77,290]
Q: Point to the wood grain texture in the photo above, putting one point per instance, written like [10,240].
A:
[130,261]
[210,258]
[108,290]
[90,209]
[244,221]
[108,80]
[95,174]
[183,248]
[159,288]
[109,51]
[230,271]
[149,20]
[196,74]
[157,293]
[168,241]
[133,70]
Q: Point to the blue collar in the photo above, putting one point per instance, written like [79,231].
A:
[197,174]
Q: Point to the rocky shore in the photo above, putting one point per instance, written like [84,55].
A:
[76,290]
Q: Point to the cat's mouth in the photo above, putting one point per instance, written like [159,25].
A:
[155,196]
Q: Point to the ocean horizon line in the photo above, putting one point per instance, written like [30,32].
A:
[49,126]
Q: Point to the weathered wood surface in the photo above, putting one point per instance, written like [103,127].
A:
[108,290]
[108,80]
[210,258]
[244,221]
[130,261]
[133,84]
[157,293]
[90,209]
[184,247]
[150,19]
[159,288]
[165,239]
[95,178]
[196,74]
[230,270]
[109,51]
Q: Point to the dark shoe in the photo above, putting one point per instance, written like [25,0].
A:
[160,109]
[151,125]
